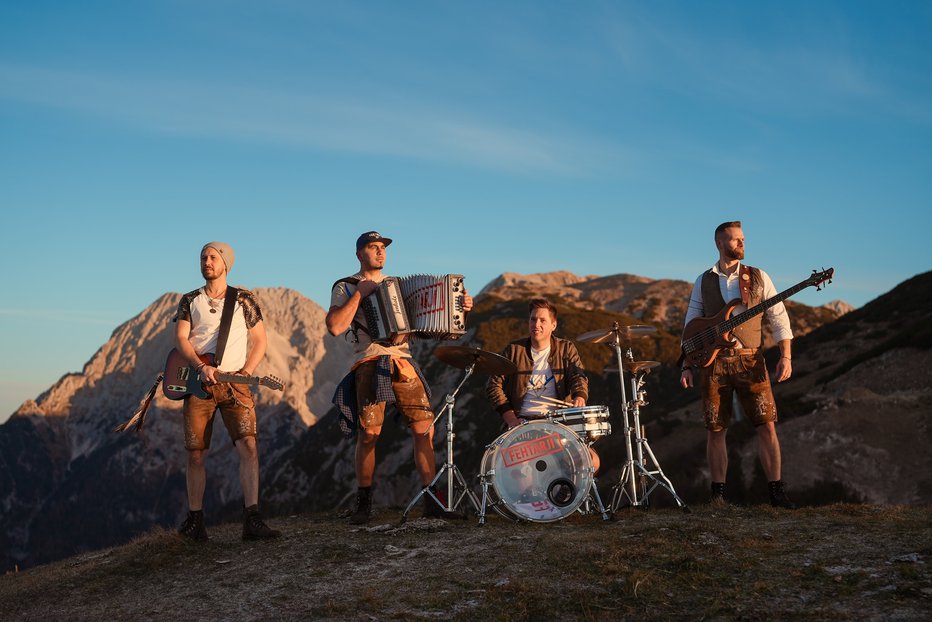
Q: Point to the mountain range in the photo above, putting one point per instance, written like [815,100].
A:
[855,417]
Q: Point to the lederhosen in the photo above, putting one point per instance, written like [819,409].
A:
[365,391]
[737,371]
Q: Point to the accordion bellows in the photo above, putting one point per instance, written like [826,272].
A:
[421,305]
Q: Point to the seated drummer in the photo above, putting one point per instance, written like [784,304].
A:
[549,370]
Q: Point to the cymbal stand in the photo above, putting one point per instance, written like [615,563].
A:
[448,467]
[635,473]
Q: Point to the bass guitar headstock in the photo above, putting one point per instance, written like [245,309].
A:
[820,279]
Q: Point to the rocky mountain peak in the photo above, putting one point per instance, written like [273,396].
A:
[839,307]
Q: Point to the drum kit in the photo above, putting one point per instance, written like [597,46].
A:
[541,471]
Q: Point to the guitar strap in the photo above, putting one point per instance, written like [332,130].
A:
[226,318]
[745,284]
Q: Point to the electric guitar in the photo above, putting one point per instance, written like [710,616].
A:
[181,378]
[703,337]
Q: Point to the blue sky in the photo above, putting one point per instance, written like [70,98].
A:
[484,137]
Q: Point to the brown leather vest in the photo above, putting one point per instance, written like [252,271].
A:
[748,333]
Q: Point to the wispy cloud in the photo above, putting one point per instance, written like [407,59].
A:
[72,317]
[378,124]
[820,70]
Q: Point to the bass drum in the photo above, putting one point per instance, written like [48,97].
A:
[538,471]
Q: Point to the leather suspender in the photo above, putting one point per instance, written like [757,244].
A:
[744,282]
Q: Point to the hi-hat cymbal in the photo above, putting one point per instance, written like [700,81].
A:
[485,362]
[604,335]
[635,367]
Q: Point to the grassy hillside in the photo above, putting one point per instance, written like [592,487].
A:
[849,562]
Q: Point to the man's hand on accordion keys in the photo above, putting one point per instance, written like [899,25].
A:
[467,301]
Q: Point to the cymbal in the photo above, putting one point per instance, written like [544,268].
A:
[604,335]
[485,362]
[635,367]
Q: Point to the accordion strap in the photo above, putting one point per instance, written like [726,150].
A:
[354,325]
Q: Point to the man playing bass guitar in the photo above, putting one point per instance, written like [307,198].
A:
[740,369]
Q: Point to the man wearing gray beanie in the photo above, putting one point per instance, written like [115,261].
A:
[198,338]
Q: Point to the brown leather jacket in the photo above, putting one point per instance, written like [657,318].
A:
[507,392]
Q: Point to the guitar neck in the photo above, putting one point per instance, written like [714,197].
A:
[237,379]
[737,320]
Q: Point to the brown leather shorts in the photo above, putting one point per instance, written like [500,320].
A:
[236,408]
[743,373]
[410,397]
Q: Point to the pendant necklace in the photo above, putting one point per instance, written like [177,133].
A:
[214,304]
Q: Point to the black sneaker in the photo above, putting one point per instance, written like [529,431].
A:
[254,528]
[363,511]
[193,527]
[718,498]
[778,498]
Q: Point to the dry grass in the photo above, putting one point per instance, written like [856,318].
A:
[845,561]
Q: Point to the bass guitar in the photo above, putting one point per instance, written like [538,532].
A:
[181,378]
[703,337]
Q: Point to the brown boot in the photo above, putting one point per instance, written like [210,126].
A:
[363,507]
[718,498]
[193,527]
[778,498]
[254,528]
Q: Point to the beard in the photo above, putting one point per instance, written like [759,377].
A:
[734,253]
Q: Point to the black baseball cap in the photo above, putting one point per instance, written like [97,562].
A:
[371,236]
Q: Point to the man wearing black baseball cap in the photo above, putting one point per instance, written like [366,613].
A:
[371,236]
[381,372]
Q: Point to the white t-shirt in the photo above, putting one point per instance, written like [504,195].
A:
[196,306]
[540,384]
[364,348]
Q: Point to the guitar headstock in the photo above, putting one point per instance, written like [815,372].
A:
[272,382]
[820,278]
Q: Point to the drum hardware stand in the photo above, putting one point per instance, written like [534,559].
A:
[594,497]
[448,467]
[634,469]
[494,506]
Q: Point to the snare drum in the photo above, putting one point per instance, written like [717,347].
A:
[538,471]
[590,423]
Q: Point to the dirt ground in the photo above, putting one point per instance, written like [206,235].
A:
[848,562]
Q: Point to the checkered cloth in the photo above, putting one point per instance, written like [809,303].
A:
[344,398]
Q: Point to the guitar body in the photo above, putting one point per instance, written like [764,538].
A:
[181,378]
[708,342]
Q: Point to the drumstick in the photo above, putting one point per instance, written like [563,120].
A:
[553,401]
